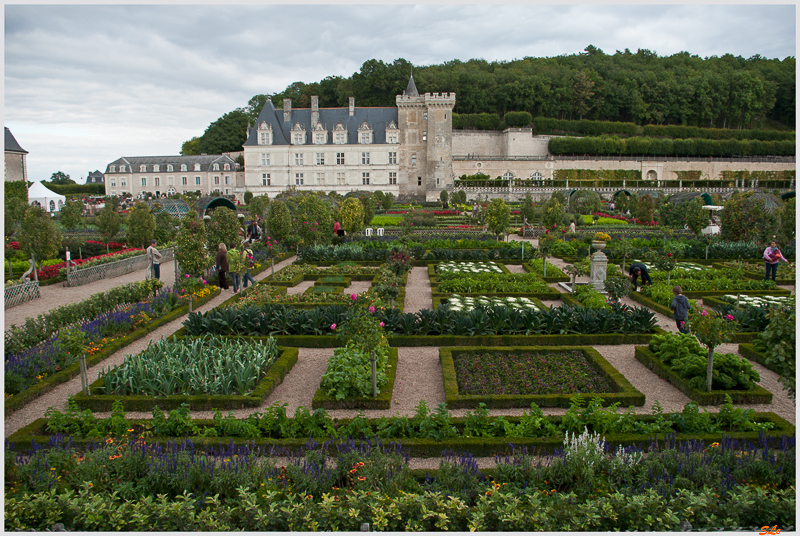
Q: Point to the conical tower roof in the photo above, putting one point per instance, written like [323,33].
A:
[411,90]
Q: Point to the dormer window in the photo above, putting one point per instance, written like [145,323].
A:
[339,134]
[169,167]
[264,134]
[112,169]
[364,133]
[183,167]
[226,167]
[156,168]
[320,138]
[142,168]
[197,167]
[122,168]
[216,167]
[298,134]
[392,133]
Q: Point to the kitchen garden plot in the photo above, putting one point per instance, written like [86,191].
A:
[557,371]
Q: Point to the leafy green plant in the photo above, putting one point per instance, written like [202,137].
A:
[778,341]
[711,329]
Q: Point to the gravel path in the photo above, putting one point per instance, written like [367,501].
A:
[419,375]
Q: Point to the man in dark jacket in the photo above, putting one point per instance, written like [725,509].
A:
[638,269]
[680,305]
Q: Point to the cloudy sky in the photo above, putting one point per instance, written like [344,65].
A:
[87,84]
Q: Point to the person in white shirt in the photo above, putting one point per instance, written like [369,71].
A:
[155,259]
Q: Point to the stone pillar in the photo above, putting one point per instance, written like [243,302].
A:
[599,266]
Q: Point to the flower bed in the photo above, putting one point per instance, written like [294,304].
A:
[268,379]
[97,351]
[755,270]
[382,401]
[469,267]
[538,378]
[745,300]
[554,273]
[456,302]
[756,395]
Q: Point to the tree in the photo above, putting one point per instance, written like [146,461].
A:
[786,234]
[368,204]
[59,177]
[444,197]
[191,147]
[248,196]
[141,225]
[14,212]
[192,253]
[225,135]
[109,222]
[711,329]
[585,202]
[553,213]
[254,107]
[279,220]
[746,218]
[645,208]
[223,227]
[528,210]
[352,215]
[387,201]
[498,216]
[71,214]
[258,205]
[313,219]
[39,235]
[165,226]
[695,216]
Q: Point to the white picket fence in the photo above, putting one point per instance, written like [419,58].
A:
[18,294]
[84,276]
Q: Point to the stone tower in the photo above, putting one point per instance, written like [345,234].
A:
[426,136]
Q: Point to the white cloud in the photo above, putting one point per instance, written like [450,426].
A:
[85,84]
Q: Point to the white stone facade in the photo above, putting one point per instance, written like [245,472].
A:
[167,175]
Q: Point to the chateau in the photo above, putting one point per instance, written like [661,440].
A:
[409,150]
[404,150]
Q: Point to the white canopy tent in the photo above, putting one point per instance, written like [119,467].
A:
[39,194]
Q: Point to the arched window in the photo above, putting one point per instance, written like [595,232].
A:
[507,176]
[652,175]
[536,177]
[52,206]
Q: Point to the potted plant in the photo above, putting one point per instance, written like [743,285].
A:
[599,240]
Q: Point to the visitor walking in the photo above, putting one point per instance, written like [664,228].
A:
[772,256]
[247,257]
[234,267]
[154,257]
[572,226]
[680,307]
[222,266]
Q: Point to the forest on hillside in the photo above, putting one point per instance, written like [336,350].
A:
[728,92]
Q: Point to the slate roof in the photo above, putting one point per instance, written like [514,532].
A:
[377,118]
[205,162]
[11,144]
[411,89]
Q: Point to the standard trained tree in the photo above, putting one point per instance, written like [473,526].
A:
[223,227]
[279,220]
[71,214]
[141,225]
[39,235]
[109,222]
[192,253]
[352,215]
[498,216]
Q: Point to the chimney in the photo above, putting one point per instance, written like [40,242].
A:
[352,106]
[314,110]
[287,110]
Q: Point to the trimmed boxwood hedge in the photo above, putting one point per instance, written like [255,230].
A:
[756,395]
[48,384]
[755,275]
[557,277]
[36,432]
[400,341]
[274,376]
[627,394]
[382,401]
[748,351]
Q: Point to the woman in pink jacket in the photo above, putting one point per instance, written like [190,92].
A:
[772,256]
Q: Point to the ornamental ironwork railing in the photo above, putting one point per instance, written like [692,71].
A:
[90,274]
[18,294]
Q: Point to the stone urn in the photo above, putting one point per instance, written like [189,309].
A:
[598,245]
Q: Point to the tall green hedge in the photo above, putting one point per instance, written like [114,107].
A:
[16,189]
[76,189]
[478,121]
[645,146]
